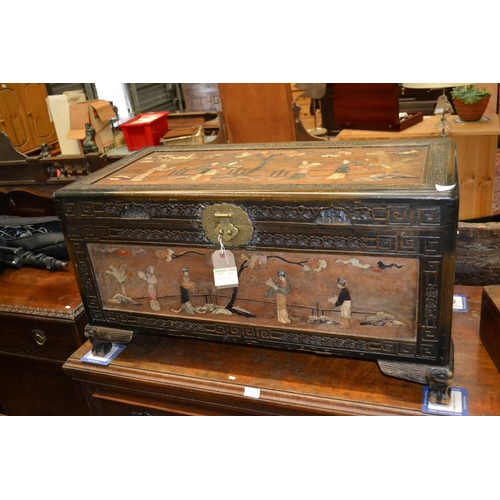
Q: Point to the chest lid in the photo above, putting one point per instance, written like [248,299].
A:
[281,171]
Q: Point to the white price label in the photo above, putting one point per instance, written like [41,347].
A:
[226,276]
[225,272]
[252,392]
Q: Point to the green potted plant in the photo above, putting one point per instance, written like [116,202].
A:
[470,102]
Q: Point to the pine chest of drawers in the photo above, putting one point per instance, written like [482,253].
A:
[339,248]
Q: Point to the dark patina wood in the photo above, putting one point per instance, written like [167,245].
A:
[43,321]
[27,183]
[478,254]
[382,214]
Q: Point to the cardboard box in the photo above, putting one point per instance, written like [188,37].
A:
[58,106]
[98,113]
[75,96]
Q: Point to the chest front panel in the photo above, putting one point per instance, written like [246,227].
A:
[343,249]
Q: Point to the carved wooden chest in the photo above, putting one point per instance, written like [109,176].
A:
[334,248]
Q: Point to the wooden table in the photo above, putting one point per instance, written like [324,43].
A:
[477,144]
[163,375]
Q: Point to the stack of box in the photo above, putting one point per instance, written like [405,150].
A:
[71,111]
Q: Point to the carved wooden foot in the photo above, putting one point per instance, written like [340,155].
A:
[438,378]
[102,338]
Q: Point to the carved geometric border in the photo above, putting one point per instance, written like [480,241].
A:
[329,214]
[329,343]
[382,243]
[42,312]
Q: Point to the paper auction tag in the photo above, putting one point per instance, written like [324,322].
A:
[225,272]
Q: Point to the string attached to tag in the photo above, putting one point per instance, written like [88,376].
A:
[222,247]
[225,272]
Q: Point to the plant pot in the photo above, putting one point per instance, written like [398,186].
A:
[471,112]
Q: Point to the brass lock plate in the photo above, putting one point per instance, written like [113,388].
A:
[229,222]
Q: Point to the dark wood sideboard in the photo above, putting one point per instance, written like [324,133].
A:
[163,375]
[42,322]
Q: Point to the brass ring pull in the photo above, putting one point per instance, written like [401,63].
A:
[40,337]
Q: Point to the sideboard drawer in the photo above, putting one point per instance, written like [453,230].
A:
[174,401]
[41,337]
[42,322]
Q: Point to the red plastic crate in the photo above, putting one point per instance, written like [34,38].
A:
[145,130]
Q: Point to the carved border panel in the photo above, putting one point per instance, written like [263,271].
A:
[332,214]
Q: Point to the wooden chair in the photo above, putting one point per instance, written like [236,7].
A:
[261,112]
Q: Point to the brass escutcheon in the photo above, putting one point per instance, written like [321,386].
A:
[227,222]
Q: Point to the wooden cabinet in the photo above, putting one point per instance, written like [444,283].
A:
[201,97]
[42,319]
[24,115]
[490,322]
